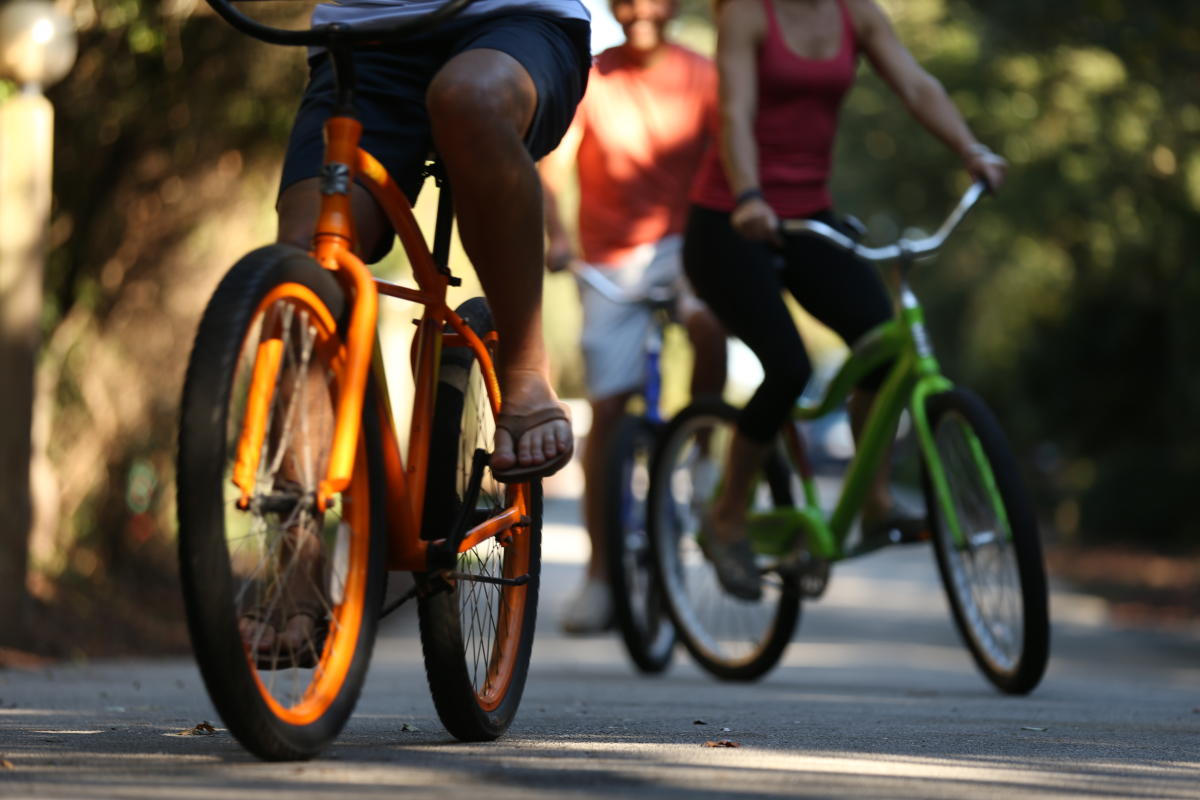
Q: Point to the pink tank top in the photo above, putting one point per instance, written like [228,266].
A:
[795,124]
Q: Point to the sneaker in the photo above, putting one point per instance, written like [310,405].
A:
[735,565]
[590,611]
[736,569]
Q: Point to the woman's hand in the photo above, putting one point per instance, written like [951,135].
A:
[986,166]
[755,220]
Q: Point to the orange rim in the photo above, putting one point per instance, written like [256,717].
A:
[510,622]
[345,624]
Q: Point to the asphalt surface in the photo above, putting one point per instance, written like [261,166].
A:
[874,698]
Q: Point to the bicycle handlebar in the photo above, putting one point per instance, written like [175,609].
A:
[911,248]
[610,290]
[336,33]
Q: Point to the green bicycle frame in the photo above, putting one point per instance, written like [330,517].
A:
[914,376]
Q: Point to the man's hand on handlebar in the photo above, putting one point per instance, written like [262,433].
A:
[559,253]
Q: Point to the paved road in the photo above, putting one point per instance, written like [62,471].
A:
[874,698]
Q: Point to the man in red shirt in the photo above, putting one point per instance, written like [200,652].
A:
[636,141]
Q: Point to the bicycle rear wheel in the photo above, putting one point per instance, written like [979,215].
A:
[477,636]
[732,638]
[638,602]
[282,599]
[994,576]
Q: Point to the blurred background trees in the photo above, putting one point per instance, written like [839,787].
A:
[1069,301]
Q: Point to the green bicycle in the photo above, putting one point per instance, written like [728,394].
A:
[983,525]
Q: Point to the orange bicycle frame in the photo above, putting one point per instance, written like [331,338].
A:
[333,248]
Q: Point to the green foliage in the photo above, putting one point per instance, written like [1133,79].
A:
[169,130]
[1069,299]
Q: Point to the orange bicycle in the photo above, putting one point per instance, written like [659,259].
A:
[294,499]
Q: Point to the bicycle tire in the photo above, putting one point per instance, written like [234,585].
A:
[733,639]
[638,603]
[476,660]
[1012,654]
[281,704]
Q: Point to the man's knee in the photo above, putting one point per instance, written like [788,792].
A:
[477,92]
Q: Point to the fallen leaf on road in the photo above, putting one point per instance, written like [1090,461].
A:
[202,729]
[721,743]
[407,727]
[6,764]
[1031,728]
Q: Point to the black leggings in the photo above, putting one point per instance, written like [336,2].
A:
[743,282]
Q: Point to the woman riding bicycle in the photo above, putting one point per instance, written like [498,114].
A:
[785,66]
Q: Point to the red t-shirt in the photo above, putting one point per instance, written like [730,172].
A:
[643,134]
[795,124]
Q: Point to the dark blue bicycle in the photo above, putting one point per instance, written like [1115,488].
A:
[638,603]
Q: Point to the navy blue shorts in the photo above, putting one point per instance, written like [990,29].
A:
[391,84]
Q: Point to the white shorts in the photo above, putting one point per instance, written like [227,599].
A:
[614,333]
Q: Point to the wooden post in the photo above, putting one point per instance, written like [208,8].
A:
[26,141]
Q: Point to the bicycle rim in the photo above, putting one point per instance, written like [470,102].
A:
[638,599]
[733,638]
[281,598]
[477,636]
[282,561]
[994,574]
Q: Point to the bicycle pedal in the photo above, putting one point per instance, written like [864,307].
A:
[811,574]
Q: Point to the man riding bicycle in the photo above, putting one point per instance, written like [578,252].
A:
[490,91]
[635,143]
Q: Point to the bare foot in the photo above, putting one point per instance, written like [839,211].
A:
[527,392]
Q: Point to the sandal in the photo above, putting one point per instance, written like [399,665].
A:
[300,595]
[517,426]
[271,657]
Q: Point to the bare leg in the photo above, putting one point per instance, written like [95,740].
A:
[606,412]
[283,619]
[481,104]
[300,204]
[741,465]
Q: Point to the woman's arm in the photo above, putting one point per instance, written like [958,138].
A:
[922,93]
[740,27]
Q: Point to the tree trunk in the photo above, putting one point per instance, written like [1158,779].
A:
[26,136]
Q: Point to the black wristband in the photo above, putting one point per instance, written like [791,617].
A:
[748,194]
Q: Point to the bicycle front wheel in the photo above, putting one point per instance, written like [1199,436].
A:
[732,638]
[282,599]
[638,602]
[992,567]
[478,635]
